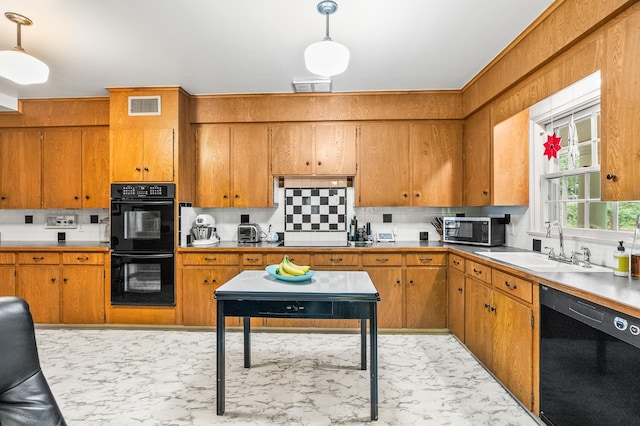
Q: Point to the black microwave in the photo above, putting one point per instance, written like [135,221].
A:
[480,231]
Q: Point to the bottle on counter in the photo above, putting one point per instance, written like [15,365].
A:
[634,261]
[620,261]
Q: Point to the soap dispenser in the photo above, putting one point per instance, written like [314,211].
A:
[620,261]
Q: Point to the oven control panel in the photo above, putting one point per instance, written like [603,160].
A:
[136,191]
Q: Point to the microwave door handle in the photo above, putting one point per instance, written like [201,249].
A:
[143,256]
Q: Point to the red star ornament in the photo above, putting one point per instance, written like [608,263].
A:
[552,146]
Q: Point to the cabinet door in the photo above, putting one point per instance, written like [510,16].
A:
[158,155]
[83,294]
[335,152]
[426,297]
[126,155]
[38,285]
[212,167]
[250,178]
[388,282]
[292,150]
[7,280]
[620,173]
[456,293]
[477,159]
[478,331]
[95,168]
[383,159]
[436,154]
[510,161]
[198,285]
[513,347]
[62,169]
[20,169]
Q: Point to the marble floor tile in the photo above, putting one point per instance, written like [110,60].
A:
[158,377]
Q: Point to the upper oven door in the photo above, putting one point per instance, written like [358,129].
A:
[142,225]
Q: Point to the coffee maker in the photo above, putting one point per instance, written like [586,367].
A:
[203,231]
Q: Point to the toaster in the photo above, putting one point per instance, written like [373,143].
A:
[249,233]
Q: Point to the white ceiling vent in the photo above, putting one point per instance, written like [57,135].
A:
[312,86]
[144,105]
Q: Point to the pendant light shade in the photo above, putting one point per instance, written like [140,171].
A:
[17,65]
[327,58]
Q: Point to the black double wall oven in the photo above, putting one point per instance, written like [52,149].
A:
[143,244]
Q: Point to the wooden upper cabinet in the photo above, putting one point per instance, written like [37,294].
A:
[233,166]
[436,163]
[142,155]
[335,149]
[510,161]
[620,104]
[384,165]
[20,169]
[95,167]
[320,149]
[62,168]
[476,186]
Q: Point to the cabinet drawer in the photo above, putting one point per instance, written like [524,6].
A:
[479,271]
[210,259]
[83,258]
[297,258]
[517,287]
[249,259]
[7,258]
[337,259]
[40,258]
[426,259]
[382,259]
[456,262]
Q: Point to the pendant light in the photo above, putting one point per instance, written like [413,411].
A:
[327,58]
[18,66]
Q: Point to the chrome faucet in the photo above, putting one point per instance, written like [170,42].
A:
[550,225]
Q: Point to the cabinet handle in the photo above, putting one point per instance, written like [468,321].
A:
[486,305]
[511,286]
[213,259]
[382,260]
[76,198]
[86,197]
[64,280]
[236,196]
[405,195]
[82,259]
[225,196]
[417,195]
[37,259]
[206,281]
[456,262]
[254,259]
[493,309]
[307,163]
[3,198]
[477,271]
[410,282]
[426,259]
[146,169]
[398,282]
[137,169]
[459,289]
[213,281]
[319,163]
[53,279]
[336,259]
[611,176]
[485,192]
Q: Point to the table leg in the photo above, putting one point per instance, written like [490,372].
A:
[220,361]
[247,341]
[363,344]
[373,333]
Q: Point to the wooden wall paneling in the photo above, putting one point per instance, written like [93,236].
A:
[565,23]
[58,112]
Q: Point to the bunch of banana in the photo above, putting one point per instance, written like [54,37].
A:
[290,269]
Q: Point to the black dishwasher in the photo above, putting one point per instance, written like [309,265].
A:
[589,362]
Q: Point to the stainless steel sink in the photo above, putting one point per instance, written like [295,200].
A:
[538,262]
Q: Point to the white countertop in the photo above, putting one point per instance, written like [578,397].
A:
[323,283]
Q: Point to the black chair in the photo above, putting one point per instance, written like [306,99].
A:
[25,396]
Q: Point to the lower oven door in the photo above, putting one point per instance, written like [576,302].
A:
[143,279]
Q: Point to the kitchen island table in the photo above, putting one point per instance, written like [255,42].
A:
[327,295]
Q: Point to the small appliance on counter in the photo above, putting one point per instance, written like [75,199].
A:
[479,231]
[203,231]
[249,233]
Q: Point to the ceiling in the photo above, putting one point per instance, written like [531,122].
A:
[251,46]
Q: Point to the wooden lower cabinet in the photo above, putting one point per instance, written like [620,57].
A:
[7,274]
[455,303]
[499,331]
[198,285]
[389,283]
[426,298]
[62,289]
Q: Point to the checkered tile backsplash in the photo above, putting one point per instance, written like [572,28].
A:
[315,209]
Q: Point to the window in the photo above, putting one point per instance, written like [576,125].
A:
[569,185]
